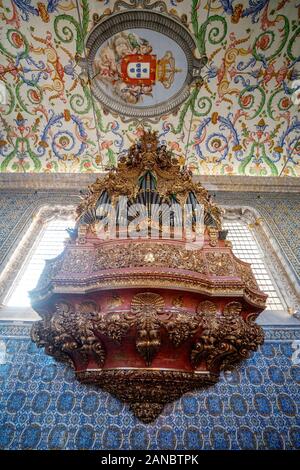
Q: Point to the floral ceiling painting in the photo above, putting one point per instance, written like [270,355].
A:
[241,118]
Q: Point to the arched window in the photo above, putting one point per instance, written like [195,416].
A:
[25,264]
[253,241]
[49,244]
[246,248]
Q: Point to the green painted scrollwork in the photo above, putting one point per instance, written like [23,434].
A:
[203,104]
[81,104]
[66,34]
[264,157]
[215,35]
[291,44]
[26,148]
[190,103]
[270,37]
[18,41]
[280,103]
[33,94]
[252,101]
[99,121]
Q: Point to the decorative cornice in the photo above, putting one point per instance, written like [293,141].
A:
[281,334]
[236,183]
[71,181]
[21,330]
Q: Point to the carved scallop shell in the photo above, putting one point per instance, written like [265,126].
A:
[147,299]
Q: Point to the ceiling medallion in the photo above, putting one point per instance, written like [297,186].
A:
[147,300]
[141,63]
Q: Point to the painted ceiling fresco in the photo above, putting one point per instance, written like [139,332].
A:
[243,120]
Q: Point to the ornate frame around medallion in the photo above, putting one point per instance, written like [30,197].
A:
[118,22]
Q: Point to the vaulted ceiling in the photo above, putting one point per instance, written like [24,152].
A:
[244,119]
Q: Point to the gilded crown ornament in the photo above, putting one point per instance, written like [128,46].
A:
[147,300]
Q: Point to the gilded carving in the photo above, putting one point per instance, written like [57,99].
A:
[226,336]
[114,301]
[154,279]
[163,304]
[82,230]
[148,316]
[147,391]
[220,264]
[77,261]
[181,326]
[213,234]
[69,331]
[171,179]
[246,274]
[146,307]
[115,325]
[178,301]
[133,255]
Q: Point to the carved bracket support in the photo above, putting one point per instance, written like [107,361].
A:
[213,336]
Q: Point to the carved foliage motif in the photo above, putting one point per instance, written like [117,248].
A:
[114,325]
[135,255]
[147,391]
[71,330]
[171,179]
[223,337]
[113,185]
[78,261]
[219,337]
[146,308]
[170,256]
[220,264]
[226,336]
[148,316]
[128,347]
[67,332]
[245,272]
[213,236]
[153,255]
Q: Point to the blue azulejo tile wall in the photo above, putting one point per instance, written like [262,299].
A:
[255,406]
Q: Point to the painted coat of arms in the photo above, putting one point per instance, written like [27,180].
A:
[140,63]
[127,65]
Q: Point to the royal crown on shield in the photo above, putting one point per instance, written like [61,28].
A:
[145,69]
